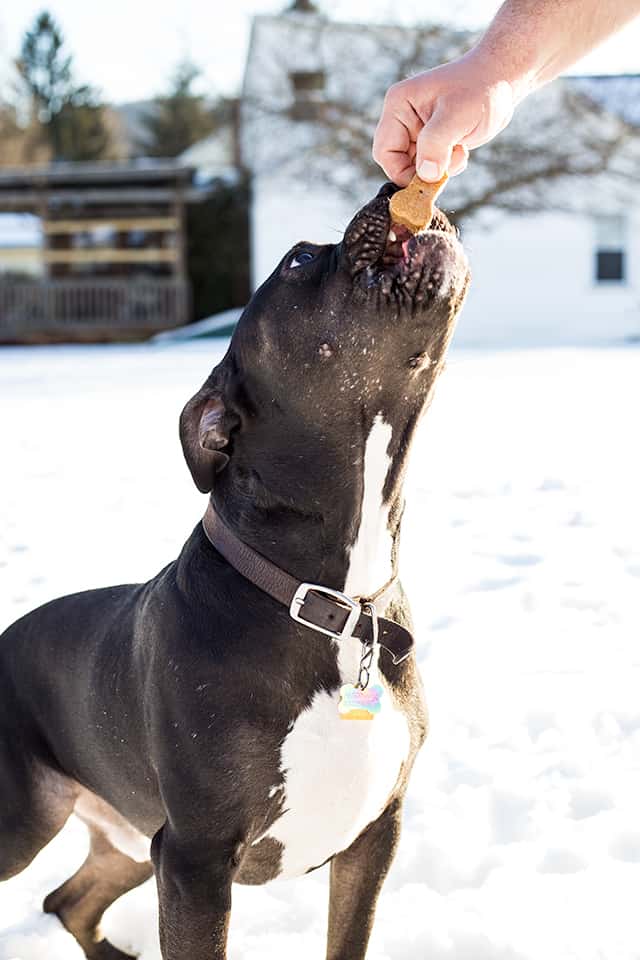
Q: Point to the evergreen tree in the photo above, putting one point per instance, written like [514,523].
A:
[178,119]
[70,115]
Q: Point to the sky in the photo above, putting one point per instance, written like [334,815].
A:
[128,48]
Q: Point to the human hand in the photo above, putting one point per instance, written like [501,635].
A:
[431,121]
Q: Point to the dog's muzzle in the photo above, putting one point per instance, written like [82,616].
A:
[386,258]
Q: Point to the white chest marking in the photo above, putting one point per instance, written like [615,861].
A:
[339,774]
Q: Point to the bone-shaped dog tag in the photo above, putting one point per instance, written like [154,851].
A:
[358,704]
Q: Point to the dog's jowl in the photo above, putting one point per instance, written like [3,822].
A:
[253,711]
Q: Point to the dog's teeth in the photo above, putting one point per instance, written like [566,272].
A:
[392,236]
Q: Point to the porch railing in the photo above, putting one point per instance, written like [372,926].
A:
[46,306]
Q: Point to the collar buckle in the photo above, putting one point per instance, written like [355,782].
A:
[341,599]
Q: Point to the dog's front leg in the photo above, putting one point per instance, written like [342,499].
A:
[357,875]
[194,895]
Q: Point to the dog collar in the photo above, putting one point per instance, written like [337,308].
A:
[319,608]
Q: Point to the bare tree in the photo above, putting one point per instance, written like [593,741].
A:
[559,140]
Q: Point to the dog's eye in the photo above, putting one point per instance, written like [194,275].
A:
[304,256]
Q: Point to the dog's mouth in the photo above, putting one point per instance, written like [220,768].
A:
[402,246]
[387,258]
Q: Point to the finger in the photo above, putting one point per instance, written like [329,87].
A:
[405,175]
[394,140]
[436,141]
[459,160]
[398,167]
[391,146]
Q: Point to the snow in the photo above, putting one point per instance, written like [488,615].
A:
[21,230]
[521,553]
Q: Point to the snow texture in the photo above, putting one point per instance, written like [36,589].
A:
[521,552]
[20,230]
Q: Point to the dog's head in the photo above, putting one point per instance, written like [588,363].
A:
[338,335]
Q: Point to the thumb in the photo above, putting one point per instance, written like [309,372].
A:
[435,143]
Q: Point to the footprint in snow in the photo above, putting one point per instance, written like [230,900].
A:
[587,802]
[520,559]
[561,861]
[626,846]
[494,583]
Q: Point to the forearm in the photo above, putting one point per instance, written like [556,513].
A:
[530,42]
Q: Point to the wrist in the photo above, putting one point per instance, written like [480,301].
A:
[495,66]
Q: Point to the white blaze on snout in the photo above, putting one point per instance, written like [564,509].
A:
[340,774]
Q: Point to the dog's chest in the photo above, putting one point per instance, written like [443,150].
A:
[338,776]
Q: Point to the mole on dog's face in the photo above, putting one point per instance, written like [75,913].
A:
[337,336]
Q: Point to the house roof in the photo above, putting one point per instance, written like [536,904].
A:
[215,155]
[462,35]
[86,174]
[148,181]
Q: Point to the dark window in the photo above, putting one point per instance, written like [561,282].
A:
[610,265]
[611,232]
[308,94]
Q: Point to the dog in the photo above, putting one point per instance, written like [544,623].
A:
[254,711]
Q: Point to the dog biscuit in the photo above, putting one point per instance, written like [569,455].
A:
[413,206]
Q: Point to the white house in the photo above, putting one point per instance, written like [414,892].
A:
[561,273]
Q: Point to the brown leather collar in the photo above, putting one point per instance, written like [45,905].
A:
[319,608]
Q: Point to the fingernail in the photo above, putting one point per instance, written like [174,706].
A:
[428,170]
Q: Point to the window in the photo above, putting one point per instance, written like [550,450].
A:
[610,265]
[611,242]
[308,94]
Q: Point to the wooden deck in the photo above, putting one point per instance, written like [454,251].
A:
[112,259]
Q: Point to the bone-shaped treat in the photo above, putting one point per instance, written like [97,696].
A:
[413,206]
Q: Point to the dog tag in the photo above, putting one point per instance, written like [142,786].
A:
[358,704]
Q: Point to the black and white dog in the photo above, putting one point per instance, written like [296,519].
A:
[192,722]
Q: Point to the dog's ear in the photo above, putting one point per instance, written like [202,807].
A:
[204,432]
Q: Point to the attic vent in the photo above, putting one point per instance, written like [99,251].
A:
[308,94]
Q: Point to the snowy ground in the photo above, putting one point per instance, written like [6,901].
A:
[522,554]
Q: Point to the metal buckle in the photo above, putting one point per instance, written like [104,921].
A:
[342,599]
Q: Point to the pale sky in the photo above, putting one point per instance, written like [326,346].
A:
[128,48]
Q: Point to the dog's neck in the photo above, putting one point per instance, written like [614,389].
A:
[350,543]
[371,557]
